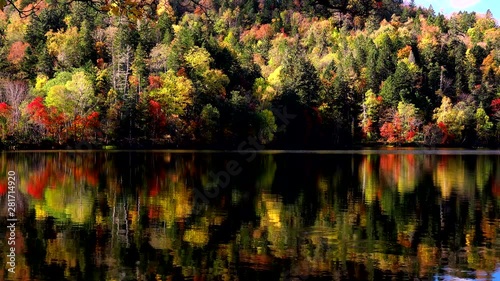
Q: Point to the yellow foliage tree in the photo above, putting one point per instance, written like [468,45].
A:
[175,93]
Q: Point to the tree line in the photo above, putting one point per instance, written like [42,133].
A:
[212,73]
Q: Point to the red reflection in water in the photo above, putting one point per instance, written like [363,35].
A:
[52,174]
[495,189]
[37,183]
[154,188]
[156,183]
[154,212]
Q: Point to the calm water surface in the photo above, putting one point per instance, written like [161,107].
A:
[389,215]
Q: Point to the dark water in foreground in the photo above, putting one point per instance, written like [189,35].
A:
[343,216]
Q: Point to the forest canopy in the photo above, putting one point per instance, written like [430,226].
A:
[212,73]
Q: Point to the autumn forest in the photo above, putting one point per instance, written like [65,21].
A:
[212,73]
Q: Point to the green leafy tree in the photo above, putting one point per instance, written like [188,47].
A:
[74,98]
[483,125]
[139,69]
[268,126]
[401,85]
[208,81]
[299,78]
[38,59]
[386,61]
[198,59]
[82,91]
[209,119]
[370,114]
[373,80]
[57,97]
[86,42]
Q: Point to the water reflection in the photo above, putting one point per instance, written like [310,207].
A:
[136,216]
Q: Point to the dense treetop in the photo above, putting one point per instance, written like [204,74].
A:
[294,74]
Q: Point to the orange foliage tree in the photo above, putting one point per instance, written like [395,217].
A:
[16,52]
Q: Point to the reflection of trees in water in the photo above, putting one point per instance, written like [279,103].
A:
[400,171]
[293,214]
[462,174]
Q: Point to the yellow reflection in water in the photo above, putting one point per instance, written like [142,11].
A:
[450,173]
[60,251]
[174,203]
[369,180]
[484,169]
[197,236]
[40,212]
[60,203]
[271,209]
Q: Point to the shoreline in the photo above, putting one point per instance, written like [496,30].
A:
[350,150]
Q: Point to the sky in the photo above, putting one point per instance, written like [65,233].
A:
[448,7]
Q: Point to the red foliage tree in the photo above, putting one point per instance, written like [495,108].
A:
[159,121]
[446,135]
[100,63]
[38,111]
[388,132]
[495,105]
[154,82]
[5,110]
[393,131]
[182,72]
[154,108]
[55,124]
[367,127]
[85,127]
[263,31]
[410,135]
[5,113]
[49,118]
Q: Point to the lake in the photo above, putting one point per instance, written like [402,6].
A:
[331,215]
